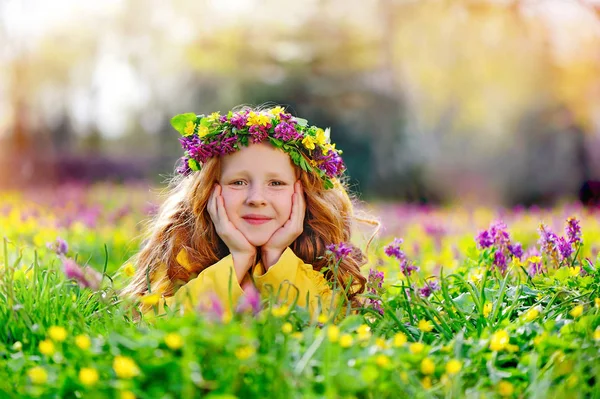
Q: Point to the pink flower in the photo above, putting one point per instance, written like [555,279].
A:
[86,277]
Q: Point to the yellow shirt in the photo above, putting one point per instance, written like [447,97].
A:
[294,280]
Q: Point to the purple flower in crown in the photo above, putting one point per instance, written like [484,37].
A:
[285,131]
[222,118]
[258,134]
[184,167]
[239,120]
[331,163]
[573,230]
[339,251]
[226,145]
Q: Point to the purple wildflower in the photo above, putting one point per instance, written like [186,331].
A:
[227,145]
[573,230]
[535,268]
[564,248]
[376,304]
[250,301]
[60,246]
[500,261]
[86,277]
[375,282]
[339,251]
[484,239]
[408,268]
[516,250]
[393,249]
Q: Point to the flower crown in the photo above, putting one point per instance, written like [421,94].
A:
[205,137]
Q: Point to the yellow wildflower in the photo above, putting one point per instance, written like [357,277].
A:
[279,311]
[333,333]
[309,142]
[88,376]
[287,328]
[382,360]
[576,311]
[226,317]
[487,309]
[399,339]
[540,338]
[427,366]
[244,352]
[346,341]
[426,382]
[174,341]
[425,325]
[453,366]
[328,147]
[534,259]
[255,119]
[150,299]
[57,333]
[381,343]
[499,340]
[125,367]
[46,347]
[574,271]
[363,332]
[83,342]
[597,302]
[505,388]
[323,318]
[597,334]
[512,348]
[416,347]
[128,269]
[531,314]
[37,375]
[297,335]
[127,395]
[189,128]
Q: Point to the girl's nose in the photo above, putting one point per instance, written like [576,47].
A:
[255,196]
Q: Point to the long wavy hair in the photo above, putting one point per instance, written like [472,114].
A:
[183,221]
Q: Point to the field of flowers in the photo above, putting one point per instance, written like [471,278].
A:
[460,303]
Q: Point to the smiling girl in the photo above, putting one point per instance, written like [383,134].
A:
[257,202]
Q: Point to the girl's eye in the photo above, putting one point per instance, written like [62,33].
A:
[277,183]
[238,183]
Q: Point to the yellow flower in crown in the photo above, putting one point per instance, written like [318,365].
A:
[309,142]
[189,129]
[257,119]
[213,117]
[321,137]
[276,111]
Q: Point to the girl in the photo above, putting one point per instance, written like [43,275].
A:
[257,202]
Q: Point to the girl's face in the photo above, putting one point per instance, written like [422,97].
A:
[257,186]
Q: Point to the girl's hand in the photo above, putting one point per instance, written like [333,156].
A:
[286,234]
[242,251]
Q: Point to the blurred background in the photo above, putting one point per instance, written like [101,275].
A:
[432,101]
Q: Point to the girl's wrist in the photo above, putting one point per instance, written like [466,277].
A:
[242,262]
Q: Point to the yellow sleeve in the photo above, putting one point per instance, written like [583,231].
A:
[291,278]
[213,282]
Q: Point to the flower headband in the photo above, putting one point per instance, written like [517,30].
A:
[309,147]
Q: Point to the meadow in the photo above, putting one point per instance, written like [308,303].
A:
[460,303]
